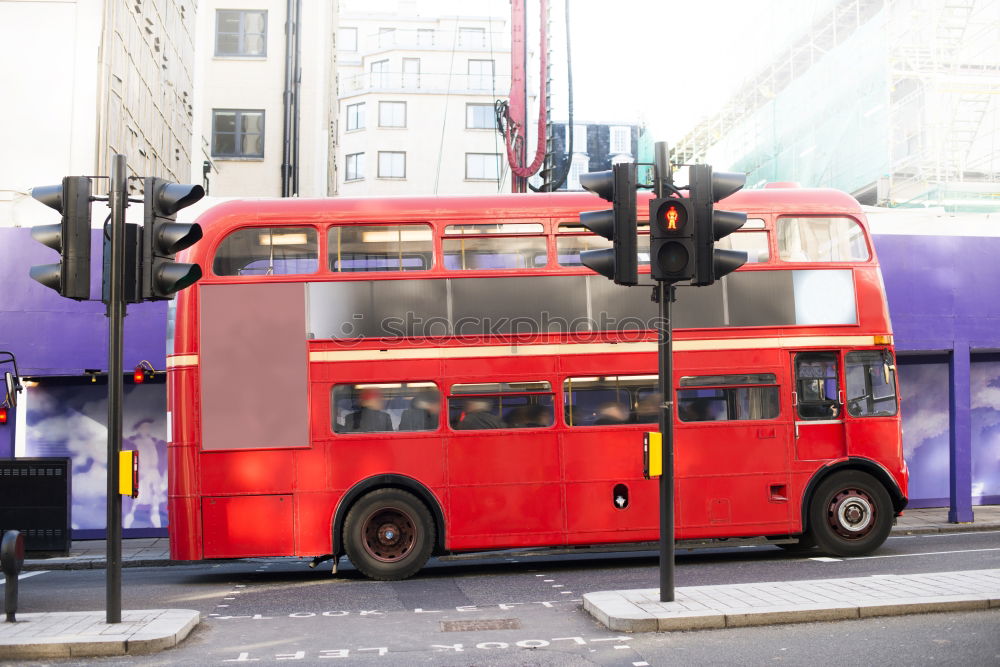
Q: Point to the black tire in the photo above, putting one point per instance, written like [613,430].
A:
[850,514]
[389,534]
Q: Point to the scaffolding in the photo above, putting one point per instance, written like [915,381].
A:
[895,101]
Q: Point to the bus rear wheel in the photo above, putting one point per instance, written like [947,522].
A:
[389,534]
[850,514]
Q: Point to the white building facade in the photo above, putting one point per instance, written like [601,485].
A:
[85,79]
[266,97]
[416,101]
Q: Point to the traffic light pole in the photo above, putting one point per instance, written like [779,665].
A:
[117,200]
[665,296]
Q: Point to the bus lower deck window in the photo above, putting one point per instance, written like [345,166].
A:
[611,400]
[384,408]
[474,407]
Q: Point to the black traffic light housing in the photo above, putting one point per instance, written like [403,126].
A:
[620,262]
[707,187]
[163,237]
[70,238]
[672,250]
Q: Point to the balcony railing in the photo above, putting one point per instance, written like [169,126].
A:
[473,40]
[424,83]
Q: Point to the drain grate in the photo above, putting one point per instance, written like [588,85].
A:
[487,624]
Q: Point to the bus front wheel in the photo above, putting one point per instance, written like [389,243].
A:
[850,514]
[389,534]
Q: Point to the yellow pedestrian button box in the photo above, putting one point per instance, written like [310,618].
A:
[652,455]
[128,473]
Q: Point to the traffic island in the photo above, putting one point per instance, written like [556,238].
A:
[85,634]
[770,603]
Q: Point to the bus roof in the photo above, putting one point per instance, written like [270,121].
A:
[231,214]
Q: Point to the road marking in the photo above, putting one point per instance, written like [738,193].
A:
[641,663]
[963,534]
[826,559]
[25,575]
[622,646]
[926,553]
[548,581]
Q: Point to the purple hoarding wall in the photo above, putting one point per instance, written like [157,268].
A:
[944,297]
[51,335]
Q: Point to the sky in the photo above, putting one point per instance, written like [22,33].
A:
[665,63]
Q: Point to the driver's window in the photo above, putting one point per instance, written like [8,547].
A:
[817,386]
[871,384]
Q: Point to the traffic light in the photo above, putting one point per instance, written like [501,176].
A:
[711,225]
[620,262]
[163,237]
[131,268]
[672,255]
[70,238]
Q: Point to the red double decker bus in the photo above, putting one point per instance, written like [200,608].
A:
[395,378]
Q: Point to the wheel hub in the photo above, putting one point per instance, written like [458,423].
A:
[852,514]
[389,534]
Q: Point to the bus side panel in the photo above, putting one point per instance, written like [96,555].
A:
[259,472]
[878,438]
[183,492]
[248,526]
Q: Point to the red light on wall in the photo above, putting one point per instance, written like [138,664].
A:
[139,376]
[3,415]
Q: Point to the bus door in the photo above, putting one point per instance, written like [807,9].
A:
[818,403]
[872,405]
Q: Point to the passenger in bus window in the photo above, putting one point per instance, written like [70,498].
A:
[478,415]
[370,417]
[611,412]
[423,413]
[530,416]
[647,410]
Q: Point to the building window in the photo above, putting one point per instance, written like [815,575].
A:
[482,166]
[392,114]
[355,116]
[237,133]
[347,39]
[579,165]
[391,164]
[355,167]
[386,37]
[471,38]
[480,74]
[425,37]
[579,138]
[411,72]
[380,73]
[621,140]
[480,117]
[240,33]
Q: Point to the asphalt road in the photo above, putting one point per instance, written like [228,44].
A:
[507,609]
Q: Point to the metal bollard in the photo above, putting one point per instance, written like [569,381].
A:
[11,560]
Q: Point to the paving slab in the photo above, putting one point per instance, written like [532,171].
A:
[85,634]
[768,603]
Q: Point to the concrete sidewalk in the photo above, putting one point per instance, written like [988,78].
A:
[155,551]
[85,634]
[768,603]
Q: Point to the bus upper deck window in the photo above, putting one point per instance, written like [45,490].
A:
[268,251]
[753,243]
[821,240]
[381,248]
[494,246]
[574,238]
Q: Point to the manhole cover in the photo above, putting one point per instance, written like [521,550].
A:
[490,624]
